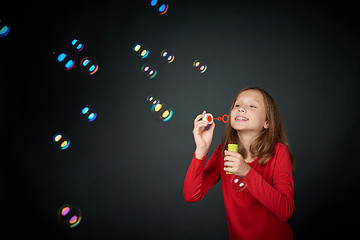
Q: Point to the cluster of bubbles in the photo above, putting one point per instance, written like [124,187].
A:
[62,140]
[4,29]
[159,110]
[88,64]
[160,6]
[69,215]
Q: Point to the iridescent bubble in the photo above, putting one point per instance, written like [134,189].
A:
[237,183]
[159,110]
[167,56]
[61,141]
[199,66]
[66,61]
[88,113]
[4,29]
[148,70]
[140,50]
[89,65]
[69,215]
[160,6]
[77,45]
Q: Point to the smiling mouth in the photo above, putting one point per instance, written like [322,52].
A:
[241,119]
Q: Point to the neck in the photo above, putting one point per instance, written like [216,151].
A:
[246,139]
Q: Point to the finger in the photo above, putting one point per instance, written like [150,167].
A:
[231,158]
[234,154]
[200,125]
[229,164]
[200,116]
[228,169]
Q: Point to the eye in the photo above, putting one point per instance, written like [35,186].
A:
[252,106]
[237,105]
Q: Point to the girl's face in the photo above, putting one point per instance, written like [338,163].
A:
[248,113]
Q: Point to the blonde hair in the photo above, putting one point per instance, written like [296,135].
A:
[264,143]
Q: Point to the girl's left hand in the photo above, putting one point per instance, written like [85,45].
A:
[236,164]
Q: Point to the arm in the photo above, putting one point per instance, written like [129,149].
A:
[200,179]
[279,197]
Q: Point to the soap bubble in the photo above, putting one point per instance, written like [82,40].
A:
[88,113]
[148,70]
[237,183]
[140,50]
[89,65]
[159,6]
[66,60]
[159,110]
[199,66]
[61,141]
[77,45]
[4,29]
[167,56]
[69,215]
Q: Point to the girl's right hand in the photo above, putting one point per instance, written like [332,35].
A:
[202,137]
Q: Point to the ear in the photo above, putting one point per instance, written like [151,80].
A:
[266,125]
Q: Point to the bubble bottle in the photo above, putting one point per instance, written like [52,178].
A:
[237,183]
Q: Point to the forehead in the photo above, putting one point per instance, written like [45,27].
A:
[250,95]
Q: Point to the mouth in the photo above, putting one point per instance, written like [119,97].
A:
[241,118]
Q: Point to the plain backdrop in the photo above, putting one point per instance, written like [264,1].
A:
[126,170]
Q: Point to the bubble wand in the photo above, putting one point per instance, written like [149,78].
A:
[210,118]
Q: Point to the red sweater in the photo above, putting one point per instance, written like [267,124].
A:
[262,209]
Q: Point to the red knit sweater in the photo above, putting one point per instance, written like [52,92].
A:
[262,209]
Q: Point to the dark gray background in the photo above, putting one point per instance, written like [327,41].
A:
[126,170]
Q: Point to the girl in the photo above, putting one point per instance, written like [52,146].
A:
[264,159]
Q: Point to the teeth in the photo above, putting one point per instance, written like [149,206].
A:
[241,118]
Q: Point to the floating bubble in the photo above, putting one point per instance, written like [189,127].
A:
[159,6]
[65,59]
[199,66]
[61,141]
[4,29]
[77,44]
[237,183]
[148,70]
[167,56]
[88,113]
[89,65]
[140,50]
[69,215]
[159,110]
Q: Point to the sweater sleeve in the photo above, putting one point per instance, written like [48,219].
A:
[278,197]
[199,178]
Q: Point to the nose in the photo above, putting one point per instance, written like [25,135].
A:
[241,109]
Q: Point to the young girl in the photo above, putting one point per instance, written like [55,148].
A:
[264,159]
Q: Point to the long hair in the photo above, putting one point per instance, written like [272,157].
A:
[264,143]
